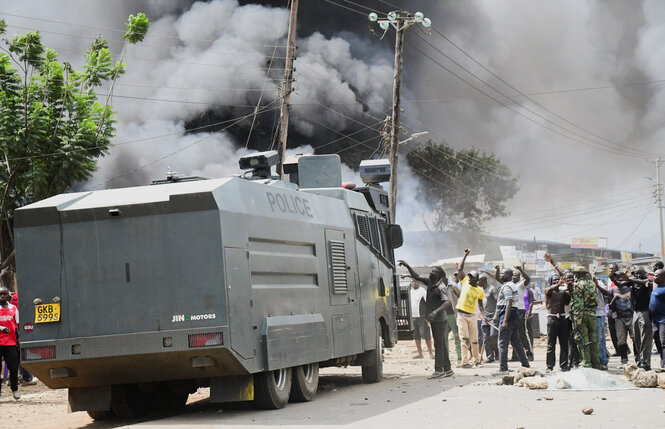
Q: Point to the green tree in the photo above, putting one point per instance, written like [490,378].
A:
[52,126]
[466,188]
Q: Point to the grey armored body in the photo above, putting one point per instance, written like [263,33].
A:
[142,295]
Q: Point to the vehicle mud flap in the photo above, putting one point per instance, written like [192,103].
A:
[235,388]
[89,399]
[372,370]
[128,401]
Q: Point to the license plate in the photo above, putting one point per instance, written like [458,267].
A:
[45,313]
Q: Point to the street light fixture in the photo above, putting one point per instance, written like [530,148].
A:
[400,20]
[414,136]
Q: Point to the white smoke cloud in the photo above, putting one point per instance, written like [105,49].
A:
[213,57]
[200,58]
[551,46]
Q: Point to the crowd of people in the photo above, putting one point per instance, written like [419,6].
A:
[489,311]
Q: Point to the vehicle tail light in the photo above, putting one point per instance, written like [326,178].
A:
[206,340]
[38,353]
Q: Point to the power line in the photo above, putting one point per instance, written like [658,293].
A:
[486,197]
[362,6]
[612,197]
[265,81]
[636,227]
[345,7]
[343,136]
[517,112]
[175,61]
[560,219]
[575,211]
[598,145]
[489,167]
[618,210]
[390,4]
[611,221]
[140,46]
[128,172]
[529,98]
[65,153]
[166,100]
[123,31]
[190,88]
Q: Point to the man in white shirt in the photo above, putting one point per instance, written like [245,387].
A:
[521,309]
[601,330]
[507,320]
[420,327]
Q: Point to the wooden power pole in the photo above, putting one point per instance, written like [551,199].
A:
[287,87]
[395,127]
[400,21]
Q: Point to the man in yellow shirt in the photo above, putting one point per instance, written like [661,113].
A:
[470,296]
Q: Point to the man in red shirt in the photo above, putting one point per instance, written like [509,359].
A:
[9,339]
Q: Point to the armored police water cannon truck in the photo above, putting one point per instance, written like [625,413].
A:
[133,298]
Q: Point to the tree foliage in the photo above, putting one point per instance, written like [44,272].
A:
[466,188]
[52,127]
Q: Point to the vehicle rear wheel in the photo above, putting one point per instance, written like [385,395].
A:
[305,382]
[128,401]
[373,373]
[101,415]
[272,389]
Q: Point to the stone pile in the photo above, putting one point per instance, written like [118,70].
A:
[642,378]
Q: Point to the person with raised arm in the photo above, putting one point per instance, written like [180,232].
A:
[522,280]
[436,304]
[508,321]
[471,296]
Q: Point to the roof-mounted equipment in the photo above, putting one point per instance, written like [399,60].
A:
[259,163]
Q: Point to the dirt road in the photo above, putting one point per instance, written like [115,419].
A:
[405,397]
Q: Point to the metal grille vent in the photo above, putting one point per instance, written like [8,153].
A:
[376,241]
[363,227]
[383,230]
[338,266]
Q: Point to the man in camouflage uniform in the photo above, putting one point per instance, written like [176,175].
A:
[583,305]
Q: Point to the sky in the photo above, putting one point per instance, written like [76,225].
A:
[569,94]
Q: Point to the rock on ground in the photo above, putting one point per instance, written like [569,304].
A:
[630,370]
[646,379]
[529,372]
[508,380]
[562,384]
[534,383]
[661,380]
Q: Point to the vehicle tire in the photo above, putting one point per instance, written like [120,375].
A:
[128,401]
[373,373]
[305,382]
[101,415]
[272,389]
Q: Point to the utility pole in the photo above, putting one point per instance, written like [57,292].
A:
[659,201]
[395,126]
[400,21]
[287,87]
